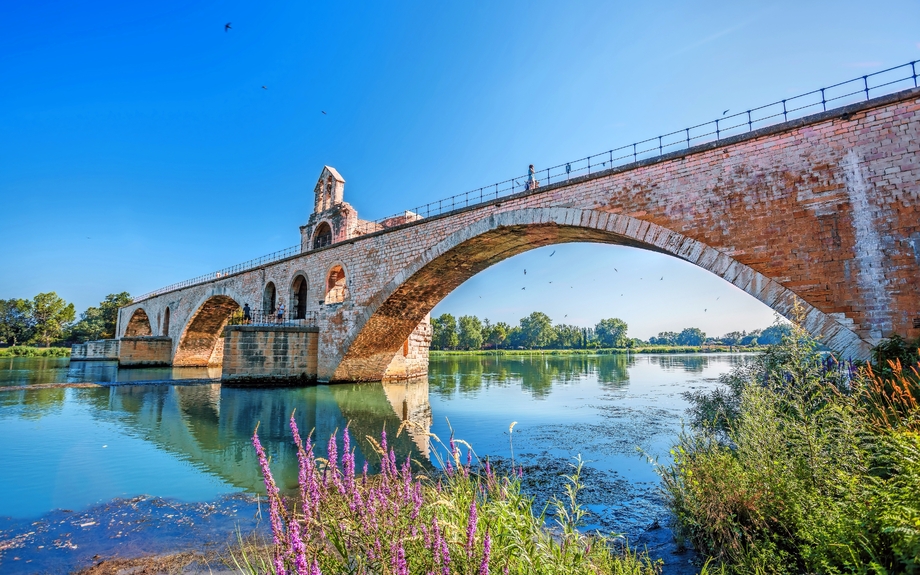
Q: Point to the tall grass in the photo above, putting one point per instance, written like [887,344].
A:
[802,464]
[468,520]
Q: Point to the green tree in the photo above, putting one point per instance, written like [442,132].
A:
[15,320]
[611,332]
[537,330]
[751,338]
[498,334]
[470,336]
[90,326]
[691,336]
[50,316]
[444,332]
[732,337]
[774,334]
[664,338]
[568,337]
[109,310]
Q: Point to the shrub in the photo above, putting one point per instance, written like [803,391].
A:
[468,520]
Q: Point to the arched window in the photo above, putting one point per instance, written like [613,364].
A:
[268,299]
[299,297]
[323,236]
[166,323]
[336,288]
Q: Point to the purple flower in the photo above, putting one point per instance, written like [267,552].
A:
[314,568]
[486,550]
[299,549]
[471,529]
[274,499]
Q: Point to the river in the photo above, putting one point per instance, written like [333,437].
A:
[135,467]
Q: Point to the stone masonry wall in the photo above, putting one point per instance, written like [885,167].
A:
[821,213]
[136,351]
[103,350]
[265,354]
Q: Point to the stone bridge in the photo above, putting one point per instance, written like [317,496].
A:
[822,213]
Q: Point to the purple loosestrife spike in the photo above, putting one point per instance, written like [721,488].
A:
[469,457]
[299,549]
[296,433]
[314,568]
[401,567]
[471,529]
[445,557]
[364,475]
[486,550]
[273,497]
[279,566]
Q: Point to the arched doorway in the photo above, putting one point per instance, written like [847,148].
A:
[323,236]
[139,325]
[299,297]
[269,299]
[336,286]
[166,323]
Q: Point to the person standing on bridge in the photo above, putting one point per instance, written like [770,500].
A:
[280,312]
[247,314]
[532,182]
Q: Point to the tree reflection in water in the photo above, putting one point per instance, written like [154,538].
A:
[536,373]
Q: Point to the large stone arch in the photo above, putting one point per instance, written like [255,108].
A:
[198,343]
[139,324]
[397,309]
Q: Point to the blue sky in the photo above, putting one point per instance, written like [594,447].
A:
[137,147]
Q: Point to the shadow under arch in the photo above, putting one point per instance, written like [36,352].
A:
[397,309]
[139,324]
[198,344]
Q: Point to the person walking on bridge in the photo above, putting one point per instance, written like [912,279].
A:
[532,182]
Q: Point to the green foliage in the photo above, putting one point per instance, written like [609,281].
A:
[691,336]
[16,325]
[444,332]
[800,464]
[50,316]
[496,335]
[568,337]
[611,332]
[470,336]
[29,351]
[537,330]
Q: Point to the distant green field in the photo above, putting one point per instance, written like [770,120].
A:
[29,351]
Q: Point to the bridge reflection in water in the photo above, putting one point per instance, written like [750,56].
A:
[211,426]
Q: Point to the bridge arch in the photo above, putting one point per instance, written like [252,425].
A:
[139,324]
[335,289]
[388,319]
[166,322]
[269,298]
[322,235]
[198,344]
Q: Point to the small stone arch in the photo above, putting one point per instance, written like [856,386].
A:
[322,236]
[166,322]
[336,289]
[139,324]
[299,294]
[269,298]
[198,346]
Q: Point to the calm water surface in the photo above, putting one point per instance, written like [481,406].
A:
[175,448]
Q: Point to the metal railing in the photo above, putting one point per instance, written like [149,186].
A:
[272,318]
[858,89]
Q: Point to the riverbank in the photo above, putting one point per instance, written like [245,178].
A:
[30,351]
[649,349]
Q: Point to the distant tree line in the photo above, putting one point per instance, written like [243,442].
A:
[47,318]
[536,331]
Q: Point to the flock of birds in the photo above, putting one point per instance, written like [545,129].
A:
[229,26]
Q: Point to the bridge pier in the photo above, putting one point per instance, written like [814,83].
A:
[267,354]
[144,351]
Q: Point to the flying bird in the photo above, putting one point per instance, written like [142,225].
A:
[616,270]
[227,27]
[523,288]
[525,271]
[662,278]
[552,254]
[265,87]
[725,112]
[565,316]
[705,310]
[324,112]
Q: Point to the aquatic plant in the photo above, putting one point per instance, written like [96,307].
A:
[466,519]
